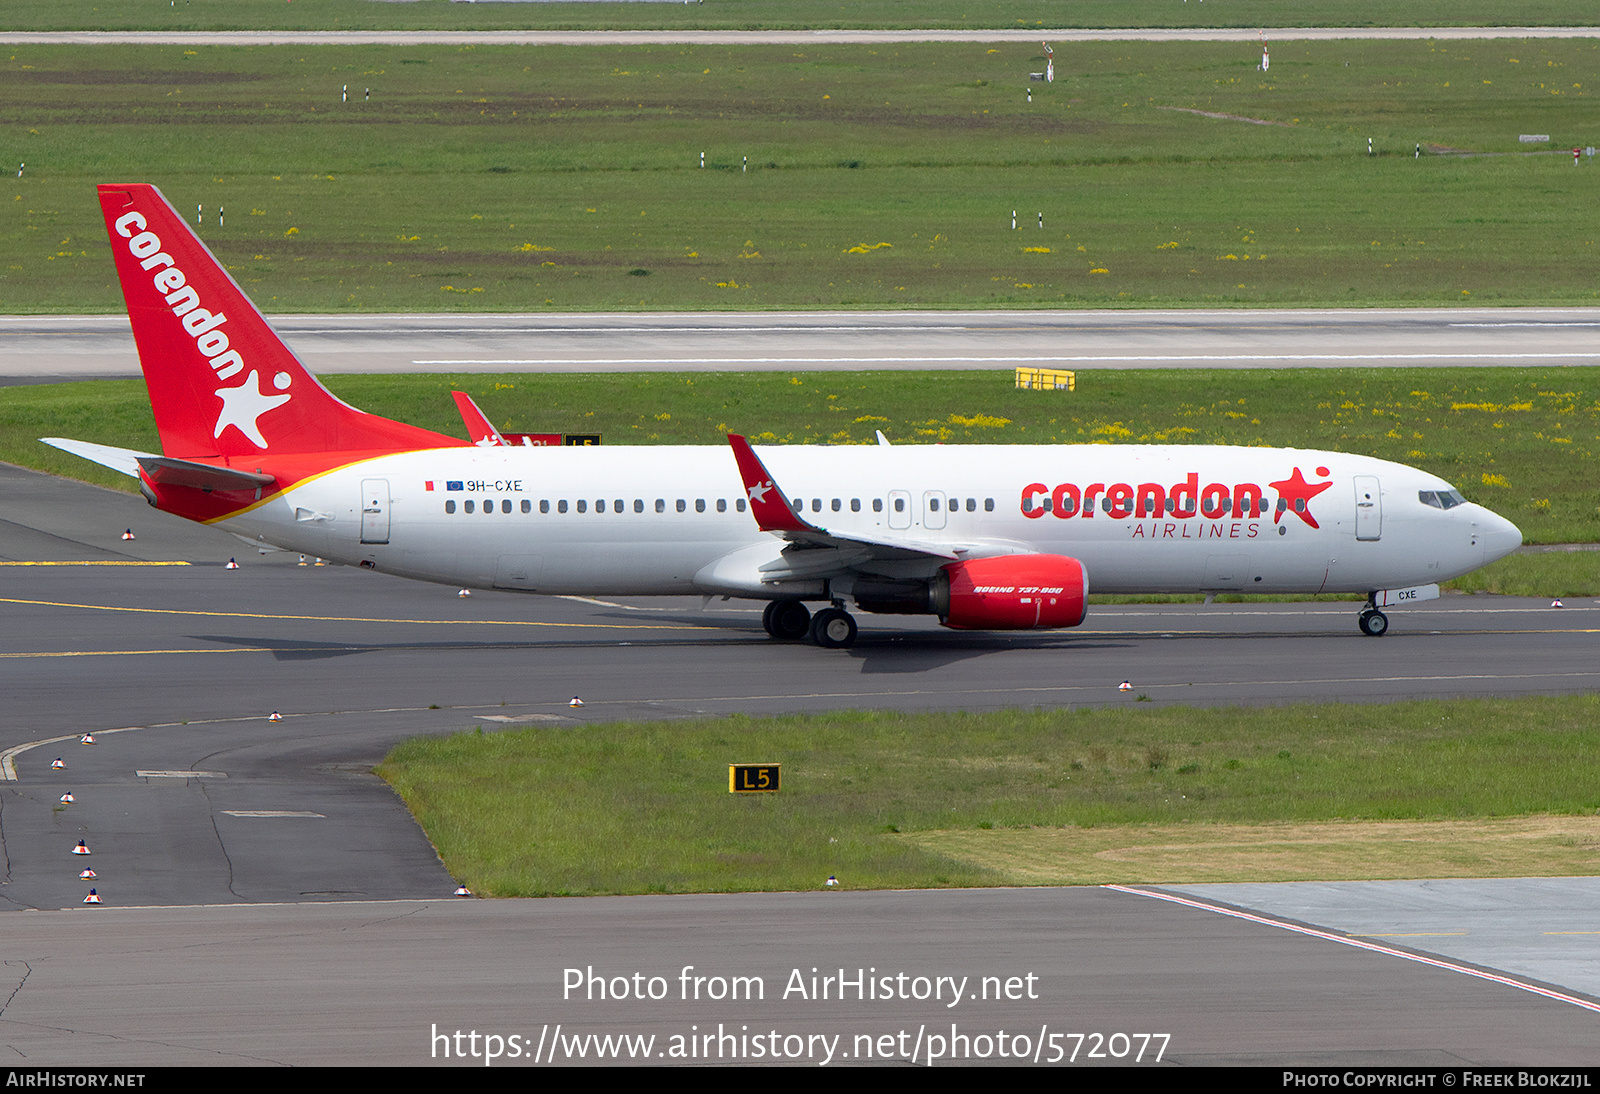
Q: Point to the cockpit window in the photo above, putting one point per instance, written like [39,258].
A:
[1441,499]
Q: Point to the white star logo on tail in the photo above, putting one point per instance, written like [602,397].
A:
[758,493]
[242,405]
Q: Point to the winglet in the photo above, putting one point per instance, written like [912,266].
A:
[767,501]
[479,428]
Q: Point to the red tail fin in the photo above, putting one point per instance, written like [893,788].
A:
[221,381]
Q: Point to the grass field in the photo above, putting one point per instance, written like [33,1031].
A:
[1135,793]
[773,14]
[1520,441]
[503,178]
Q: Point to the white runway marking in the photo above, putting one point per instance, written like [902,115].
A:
[272,813]
[1345,940]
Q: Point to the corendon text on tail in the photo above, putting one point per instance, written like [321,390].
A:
[980,536]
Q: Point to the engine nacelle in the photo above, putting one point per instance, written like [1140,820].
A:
[1012,593]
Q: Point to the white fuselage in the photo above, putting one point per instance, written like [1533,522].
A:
[672,520]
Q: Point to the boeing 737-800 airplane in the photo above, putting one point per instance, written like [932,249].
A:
[994,537]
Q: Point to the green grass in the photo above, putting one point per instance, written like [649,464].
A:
[773,14]
[516,179]
[644,807]
[1554,574]
[1519,441]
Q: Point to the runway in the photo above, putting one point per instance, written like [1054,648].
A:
[268,900]
[38,348]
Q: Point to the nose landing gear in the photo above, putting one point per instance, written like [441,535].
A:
[1372,622]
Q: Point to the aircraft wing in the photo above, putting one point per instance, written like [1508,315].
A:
[837,551]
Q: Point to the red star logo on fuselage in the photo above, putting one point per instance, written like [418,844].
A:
[1296,488]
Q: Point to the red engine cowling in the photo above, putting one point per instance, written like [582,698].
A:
[1013,592]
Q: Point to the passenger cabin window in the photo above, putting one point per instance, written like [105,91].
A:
[877,505]
[933,505]
[599,506]
[619,507]
[583,506]
[638,505]
[739,504]
[682,505]
[505,505]
[466,507]
[527,506]
[699,505]
[661,505]
[449,507]
[988,505]
[855,505]
[561,506]
[722,505]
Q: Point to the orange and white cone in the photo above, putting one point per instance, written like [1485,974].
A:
[232,565]
[832,881]
[302,561]
[462,890]
[86,739]
[274,717]
[1555,604]
[57,764]
[128,534]
[576,702]
[1126,685]
[92,898]
[81,849]
[85,875]
[465,592]
[67,798]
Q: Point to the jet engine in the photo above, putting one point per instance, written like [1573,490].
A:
[1012,592]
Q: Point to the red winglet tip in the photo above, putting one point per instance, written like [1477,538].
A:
[768,503]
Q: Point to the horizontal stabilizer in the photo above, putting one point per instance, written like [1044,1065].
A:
[202,476]
[124,461]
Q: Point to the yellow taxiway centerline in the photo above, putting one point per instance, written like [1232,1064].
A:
[364,619]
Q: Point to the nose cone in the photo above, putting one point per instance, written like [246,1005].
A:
[1499,536]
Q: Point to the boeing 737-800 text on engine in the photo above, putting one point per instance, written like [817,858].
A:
[982,536]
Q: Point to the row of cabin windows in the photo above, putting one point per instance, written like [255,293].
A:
[934,505]
[682,505]
[1221,503]
[620,505]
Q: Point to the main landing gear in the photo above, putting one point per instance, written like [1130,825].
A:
[789,621]
[1372,622]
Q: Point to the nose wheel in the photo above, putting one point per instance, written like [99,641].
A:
[1373,623]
